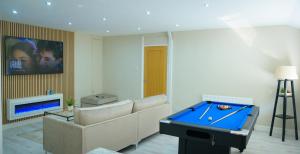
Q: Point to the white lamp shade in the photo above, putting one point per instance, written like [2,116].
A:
[286,72]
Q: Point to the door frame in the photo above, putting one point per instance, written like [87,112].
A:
[1,125]
[169,46]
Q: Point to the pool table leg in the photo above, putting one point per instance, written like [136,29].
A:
[182,146]
[241,150]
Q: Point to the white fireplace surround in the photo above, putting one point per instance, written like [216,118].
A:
[12,103]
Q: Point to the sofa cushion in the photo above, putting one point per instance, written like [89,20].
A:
[92,115]
[149,102]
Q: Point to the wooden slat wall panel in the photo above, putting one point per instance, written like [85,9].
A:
[17,86]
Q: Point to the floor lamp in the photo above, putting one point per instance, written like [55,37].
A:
[285,74]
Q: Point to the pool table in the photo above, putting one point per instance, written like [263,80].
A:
[199,132]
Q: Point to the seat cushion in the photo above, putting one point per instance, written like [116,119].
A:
[92,115]
[149,102]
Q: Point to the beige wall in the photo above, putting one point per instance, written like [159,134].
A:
[155,39]
[234,62]
[88,65]
[122,57]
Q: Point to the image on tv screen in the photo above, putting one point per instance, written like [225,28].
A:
[33,56]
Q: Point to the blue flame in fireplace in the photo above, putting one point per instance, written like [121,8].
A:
[23,108]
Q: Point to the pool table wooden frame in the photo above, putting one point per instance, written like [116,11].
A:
[195,139]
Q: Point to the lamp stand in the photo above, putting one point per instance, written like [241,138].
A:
[284,115]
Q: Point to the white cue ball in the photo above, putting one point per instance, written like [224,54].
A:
[210,118]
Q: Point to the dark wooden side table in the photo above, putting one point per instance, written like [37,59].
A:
[284,115]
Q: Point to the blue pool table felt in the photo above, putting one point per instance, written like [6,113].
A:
[234,122]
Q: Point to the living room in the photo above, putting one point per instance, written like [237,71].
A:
[123,77]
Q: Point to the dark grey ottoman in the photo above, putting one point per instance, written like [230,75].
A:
[98,99]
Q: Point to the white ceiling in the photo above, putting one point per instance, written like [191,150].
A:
[125,16]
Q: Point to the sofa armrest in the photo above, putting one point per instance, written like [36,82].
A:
[148,119]
[114,134]
[61,137]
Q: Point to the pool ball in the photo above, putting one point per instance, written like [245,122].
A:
[224,107]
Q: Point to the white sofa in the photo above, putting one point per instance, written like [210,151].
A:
[112,126]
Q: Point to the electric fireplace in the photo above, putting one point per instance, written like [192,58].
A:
[31,106]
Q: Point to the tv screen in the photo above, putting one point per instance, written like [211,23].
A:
[33,56]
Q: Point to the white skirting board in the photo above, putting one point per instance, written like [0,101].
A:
[12,103]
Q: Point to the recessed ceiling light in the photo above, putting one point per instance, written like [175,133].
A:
[79,5]
[107,31]
[139,28]
[177,25]
[48,3]
[104,19]
[14,11]
[206,5]
[70,23]
[148,12]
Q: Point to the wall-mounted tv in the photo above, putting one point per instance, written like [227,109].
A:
[32,56]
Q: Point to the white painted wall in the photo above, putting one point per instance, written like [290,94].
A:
[88,65]
[170,68]
[234,62]
[122,66]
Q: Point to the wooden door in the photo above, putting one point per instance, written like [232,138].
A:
[155,70]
